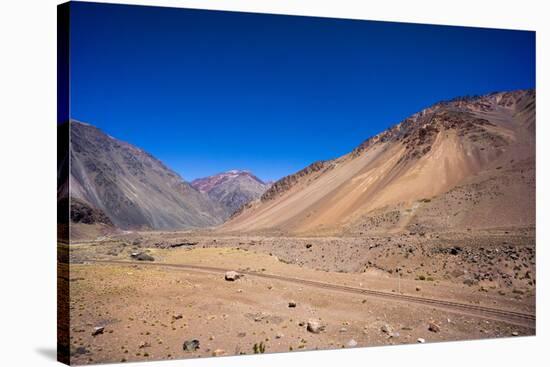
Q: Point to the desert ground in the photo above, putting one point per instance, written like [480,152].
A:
[294,293]
[422,233]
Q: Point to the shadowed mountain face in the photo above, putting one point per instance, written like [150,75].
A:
[462,164]
[132,188]
[231,189]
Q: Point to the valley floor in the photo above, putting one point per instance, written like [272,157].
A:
[149,309]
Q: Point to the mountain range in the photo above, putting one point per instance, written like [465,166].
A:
[115,182]
[457,165]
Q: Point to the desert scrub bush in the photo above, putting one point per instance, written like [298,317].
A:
[259,348]
[421,277]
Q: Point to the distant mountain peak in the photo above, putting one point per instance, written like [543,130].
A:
[232,189]
[73,121]
[237,171]
[205,184]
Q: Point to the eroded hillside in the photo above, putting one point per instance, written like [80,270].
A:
[468,162]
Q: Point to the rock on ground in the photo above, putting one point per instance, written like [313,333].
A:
[433,327]
[386,329]
[315,327]
[218,352]
[232,276]
[142,256]
[191,345]
[98,330]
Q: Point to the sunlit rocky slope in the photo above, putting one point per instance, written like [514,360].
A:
[457,165]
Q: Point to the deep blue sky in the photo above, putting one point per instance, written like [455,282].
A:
[208,91]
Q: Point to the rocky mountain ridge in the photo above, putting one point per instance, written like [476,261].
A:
[133,188]
[232,189]
[428,170]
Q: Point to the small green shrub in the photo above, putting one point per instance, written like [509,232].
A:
[259,348]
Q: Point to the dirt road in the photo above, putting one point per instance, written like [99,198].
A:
[512,317]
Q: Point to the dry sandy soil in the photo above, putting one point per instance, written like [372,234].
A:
[148,309]
[437,209]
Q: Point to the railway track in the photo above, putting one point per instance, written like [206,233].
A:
[512,317]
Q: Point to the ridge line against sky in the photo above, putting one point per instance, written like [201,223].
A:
[209,91]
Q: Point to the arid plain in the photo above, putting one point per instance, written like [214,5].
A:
[424,233]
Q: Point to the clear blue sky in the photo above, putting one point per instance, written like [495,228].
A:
[208,91]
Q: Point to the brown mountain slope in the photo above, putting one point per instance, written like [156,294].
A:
[133,189]
[465,163]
